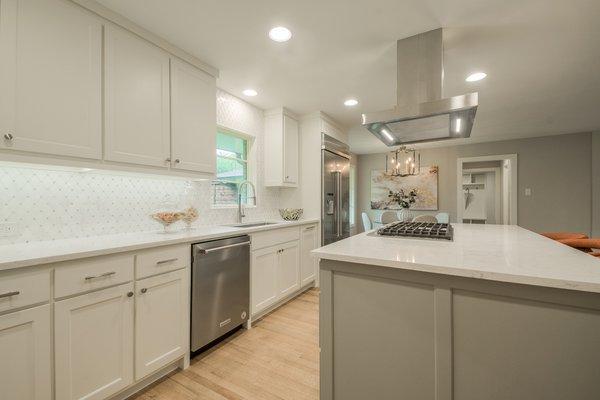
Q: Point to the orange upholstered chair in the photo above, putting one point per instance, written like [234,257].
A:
[587,245]
[596,254]
[564,235]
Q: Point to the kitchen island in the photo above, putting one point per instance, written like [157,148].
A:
[498,313]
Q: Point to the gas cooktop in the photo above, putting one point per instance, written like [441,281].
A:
[417,229]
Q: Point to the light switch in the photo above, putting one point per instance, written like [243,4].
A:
[527,191]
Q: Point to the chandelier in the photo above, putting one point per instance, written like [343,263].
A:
[403,162]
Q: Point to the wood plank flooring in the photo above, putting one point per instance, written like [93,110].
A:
[278,359]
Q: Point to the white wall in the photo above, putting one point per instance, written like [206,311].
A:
[46,204]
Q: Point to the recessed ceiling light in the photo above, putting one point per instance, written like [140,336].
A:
[250,92]
[477,76]
[350,102]
[280,34]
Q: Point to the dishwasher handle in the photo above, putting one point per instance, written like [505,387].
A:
[206,251]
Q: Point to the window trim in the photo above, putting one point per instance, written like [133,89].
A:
[250,162]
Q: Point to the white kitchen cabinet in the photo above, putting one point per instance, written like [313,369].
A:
[288,272]
[265,289]
[161,321]
[193,118]
[50,78]
[137,121]
[275,274]
[281,148]
[308,265]
[25,355]
[93,336]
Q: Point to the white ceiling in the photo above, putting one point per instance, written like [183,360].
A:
[542,57]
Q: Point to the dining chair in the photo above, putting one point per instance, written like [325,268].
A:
[564,235]
[387,217]
[367,225]
[586,245]
[425,218]
[442,218]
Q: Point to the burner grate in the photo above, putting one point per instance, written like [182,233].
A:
[417,229]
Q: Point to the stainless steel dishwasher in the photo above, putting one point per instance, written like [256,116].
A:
[220,288]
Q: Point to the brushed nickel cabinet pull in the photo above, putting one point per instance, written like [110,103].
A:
[144,290]
[167,261]
[8,136]
[105,275]
[9,294]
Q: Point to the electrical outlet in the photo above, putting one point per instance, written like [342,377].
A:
[527,191]
[8,229]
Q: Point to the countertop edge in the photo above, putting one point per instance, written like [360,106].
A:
[75,255]
[589,287]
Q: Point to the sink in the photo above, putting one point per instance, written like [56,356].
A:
[252,224]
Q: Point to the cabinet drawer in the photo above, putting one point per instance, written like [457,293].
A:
[94,273]
[162,259]
[24,288]
[273,237]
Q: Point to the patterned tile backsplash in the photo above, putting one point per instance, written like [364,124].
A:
[44,204]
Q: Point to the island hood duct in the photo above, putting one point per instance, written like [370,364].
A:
[422,115]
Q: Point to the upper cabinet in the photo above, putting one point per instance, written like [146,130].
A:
[150,111]
[50,78]
[136,100]
[281,149]
[193,118]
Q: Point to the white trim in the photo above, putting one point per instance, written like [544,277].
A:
[513,158]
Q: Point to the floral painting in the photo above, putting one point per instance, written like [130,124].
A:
[425,185]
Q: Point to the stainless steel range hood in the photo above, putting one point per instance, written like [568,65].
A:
[422,114]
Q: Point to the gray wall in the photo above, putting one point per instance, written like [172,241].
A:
[596,184]
[556,168]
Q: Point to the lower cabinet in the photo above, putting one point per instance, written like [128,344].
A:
[160,321]
[25,355]
[308,264]
[94,343]
[275,274]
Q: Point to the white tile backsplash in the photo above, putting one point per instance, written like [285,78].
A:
[48,204]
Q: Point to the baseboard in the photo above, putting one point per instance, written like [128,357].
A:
[282,302]
[149,380]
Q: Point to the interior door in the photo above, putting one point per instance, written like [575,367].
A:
[50,78]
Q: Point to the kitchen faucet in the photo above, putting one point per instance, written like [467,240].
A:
[241,214]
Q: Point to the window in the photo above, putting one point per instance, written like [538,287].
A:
[232,168]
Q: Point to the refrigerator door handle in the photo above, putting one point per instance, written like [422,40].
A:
[338,203]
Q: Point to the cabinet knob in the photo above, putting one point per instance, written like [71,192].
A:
[129,294]
[8,136]
[168,159]
[144,290]
[177,161]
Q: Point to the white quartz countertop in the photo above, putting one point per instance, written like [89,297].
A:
[504,253]
[36,253]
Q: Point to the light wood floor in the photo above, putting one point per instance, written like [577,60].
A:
[278,359]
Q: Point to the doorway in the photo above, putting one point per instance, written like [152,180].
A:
[487,189]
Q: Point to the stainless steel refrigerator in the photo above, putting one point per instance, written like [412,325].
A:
[335,190]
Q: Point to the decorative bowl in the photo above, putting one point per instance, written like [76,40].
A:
[291,214]
[190,215]
[166,218]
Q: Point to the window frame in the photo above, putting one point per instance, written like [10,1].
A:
[250,164]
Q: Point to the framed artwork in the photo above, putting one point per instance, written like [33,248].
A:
[425,184]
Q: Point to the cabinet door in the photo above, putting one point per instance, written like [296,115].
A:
[25,350]
[264,265]
[288,270]
[50,78]
[161,321]
[136,100]
[93,351]
[193,118]
[308,264]
[290,150]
